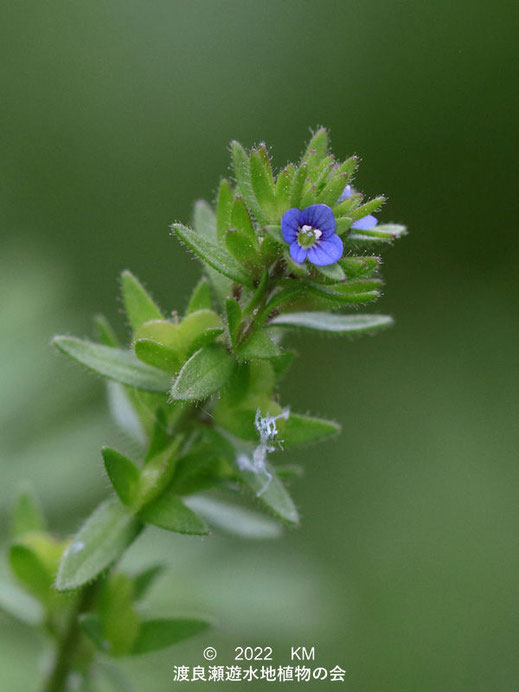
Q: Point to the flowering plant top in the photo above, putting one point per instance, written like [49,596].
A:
[197,391]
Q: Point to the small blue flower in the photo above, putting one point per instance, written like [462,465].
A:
[366,222]
[310,234]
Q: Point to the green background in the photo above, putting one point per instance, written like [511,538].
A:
[115,117]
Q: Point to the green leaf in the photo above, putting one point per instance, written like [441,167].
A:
[241,167]
[196,471]
[101,541]
[143,581]
[166,345]
[333,272]
[213,255]
[333,189]
[31,571]
[309,194]
[390,230]
[284,188]
[259,293]
[367,208]
[326,168]
[298,185]
[262,181]
[158,472]
[224,208]
[241,221]
[238,385]
[27,515]
[233,519]
[258,345]
[157,355]
[160,633]
[197,328]
[318,146]
[123,474]
[106,334]
[346,206]
[348,167]
[204,220]
[359,267]
[345,294]
[302,430]
[201,298]
[170,513]
[382,234]
[233,313]
[113,363]
[243,250]
[139,305]
[207,371]
[331,322]
[271,492]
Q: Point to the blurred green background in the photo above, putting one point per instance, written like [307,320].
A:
[116,116]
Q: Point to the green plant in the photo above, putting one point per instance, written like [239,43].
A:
[199,393]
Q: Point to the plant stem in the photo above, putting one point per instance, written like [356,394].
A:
[68,642]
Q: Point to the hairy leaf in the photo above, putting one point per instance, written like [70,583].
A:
[157,355]
[241,167]
[105,331]
[258,345]
[31,571]
[101,540]
[204,220]
[203,374]
[224,208]
[123,474]
[232,518]
[301,430]
[331,322]
[160,633]
[215,256]
[139,305]
[170,513]
[270,491]
[113,363]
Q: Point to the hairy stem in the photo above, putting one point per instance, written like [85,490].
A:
[68,642]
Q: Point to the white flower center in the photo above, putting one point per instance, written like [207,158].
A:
[310,233]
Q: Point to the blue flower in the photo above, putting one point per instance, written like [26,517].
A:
[310,234]
[366,222]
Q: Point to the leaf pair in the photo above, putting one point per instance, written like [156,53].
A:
[116,628]
[148,635]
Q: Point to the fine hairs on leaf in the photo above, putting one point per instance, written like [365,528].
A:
[199,394]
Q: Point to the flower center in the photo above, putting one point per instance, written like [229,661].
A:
[308,235]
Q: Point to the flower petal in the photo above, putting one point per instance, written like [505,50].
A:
[326,251]
[320,216]
[298,253]
[347,192]
[365,223]
[290,223]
